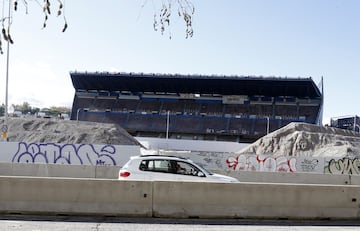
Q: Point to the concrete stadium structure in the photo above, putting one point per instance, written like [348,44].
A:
[194,107]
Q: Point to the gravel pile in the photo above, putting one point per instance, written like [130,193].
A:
[302,139]
[66,131]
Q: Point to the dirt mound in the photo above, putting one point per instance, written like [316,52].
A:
[302,139]
[295,139]
[66,131]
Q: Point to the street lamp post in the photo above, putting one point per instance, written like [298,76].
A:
[5,126]
[358,127]
[355,123]
[167,124]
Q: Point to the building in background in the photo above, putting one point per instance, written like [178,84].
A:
[346,122]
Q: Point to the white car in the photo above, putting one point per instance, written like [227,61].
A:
[168,168]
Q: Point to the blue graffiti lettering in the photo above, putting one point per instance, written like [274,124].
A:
[51,153]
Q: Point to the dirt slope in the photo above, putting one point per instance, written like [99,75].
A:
[66,131]
[301,139]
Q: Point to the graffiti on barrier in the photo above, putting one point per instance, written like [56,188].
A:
[308,165]
[343,166]
[51,153]
[261,163]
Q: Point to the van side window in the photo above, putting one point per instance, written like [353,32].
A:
[158,166]
[187,169]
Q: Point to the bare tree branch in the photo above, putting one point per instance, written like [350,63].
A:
[162,18]
[185,10]
[45,5]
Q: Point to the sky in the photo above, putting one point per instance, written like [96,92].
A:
[281,38]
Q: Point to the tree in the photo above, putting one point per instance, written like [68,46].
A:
[24,108]
[55,111]
[2,110]
[185,9]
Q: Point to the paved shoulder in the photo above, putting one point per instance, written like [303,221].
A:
[56,223]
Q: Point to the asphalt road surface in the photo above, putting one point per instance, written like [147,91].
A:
[56,223]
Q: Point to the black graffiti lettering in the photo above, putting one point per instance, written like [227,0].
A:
[344,166]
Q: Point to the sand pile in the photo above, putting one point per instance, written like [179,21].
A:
[301,139]
[66,131]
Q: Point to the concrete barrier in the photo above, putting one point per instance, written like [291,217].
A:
[354,179]
[111,172]
[107,172]
[59,170]
[101,197]
[47,170]
[295,178]
[31,195]
[255,200]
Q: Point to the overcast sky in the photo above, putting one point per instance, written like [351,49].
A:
[283,38]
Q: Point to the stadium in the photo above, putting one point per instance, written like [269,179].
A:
[231,109]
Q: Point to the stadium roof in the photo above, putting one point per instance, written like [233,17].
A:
[175,83]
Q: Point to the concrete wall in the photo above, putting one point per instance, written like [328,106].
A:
[271,163]
[118,155]
[70,154]
[29,195]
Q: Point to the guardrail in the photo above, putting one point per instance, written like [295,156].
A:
[104,197]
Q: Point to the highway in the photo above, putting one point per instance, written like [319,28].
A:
[57,223]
